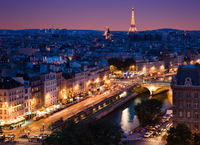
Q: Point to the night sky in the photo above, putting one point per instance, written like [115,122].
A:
[97,14]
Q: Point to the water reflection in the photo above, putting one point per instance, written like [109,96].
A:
[124,114]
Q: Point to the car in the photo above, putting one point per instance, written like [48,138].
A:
[167,119]
[168,125]
[148,134]
[36,137]
[154,134]
[44,135]
[36,118]
[162,121]
[151,128]
[159,131]
[157,125]
[166,115]
[23,136]
[164,128]
[11,135]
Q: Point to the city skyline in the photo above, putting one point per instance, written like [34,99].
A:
[96,15]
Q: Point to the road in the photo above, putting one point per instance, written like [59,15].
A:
[65,113]
[143,142]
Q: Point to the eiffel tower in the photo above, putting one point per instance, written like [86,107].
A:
[132,29]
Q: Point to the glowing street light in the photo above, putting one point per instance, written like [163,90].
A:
[97,80]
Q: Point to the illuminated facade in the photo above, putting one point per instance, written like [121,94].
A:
[132,29]
[11,101]
[49,85]
[107,33]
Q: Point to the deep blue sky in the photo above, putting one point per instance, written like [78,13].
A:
[97,14]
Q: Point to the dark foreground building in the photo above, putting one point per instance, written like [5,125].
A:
[186,97]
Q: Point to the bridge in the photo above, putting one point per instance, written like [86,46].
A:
[155,87]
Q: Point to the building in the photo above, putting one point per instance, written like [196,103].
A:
[107,33]
[132,29]
[11,101]
[186,97]
[49,85]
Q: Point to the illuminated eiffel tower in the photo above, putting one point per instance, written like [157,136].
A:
[132,29]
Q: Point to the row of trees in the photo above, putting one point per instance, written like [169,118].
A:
[94,132]
[118,64]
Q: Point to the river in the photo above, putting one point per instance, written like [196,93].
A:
[124,114]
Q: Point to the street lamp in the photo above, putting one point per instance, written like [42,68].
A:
[43,126]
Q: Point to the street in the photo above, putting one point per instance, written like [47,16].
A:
[34,127]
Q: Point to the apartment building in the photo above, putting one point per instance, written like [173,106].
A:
[48,91]
[11,100]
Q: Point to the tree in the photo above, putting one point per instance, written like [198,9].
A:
[129,62]
[113,69]
[146,111]
[181,135]
[94,132]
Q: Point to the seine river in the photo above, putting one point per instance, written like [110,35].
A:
[124,114]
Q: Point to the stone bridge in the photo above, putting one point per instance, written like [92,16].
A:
[156,87]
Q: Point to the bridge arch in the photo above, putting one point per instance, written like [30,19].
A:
[156,88]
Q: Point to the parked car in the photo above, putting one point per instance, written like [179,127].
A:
[154,134]
[167,119]
[44,135]
[159,131]
[162,121]
[157,125]
[151,128]
[11,135]
[36,137]
[168,125]
[164,128]
[23,136]
[148,134]
[166,115]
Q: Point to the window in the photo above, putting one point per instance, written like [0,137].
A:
[196,105]
[196,115]
[4,111]
[26,91]
[180,114]
[4,99]
[26,97]
[4,93]
[0,111]
[188,114]
[180,105]
[188,95]
[196,95]
[188,105]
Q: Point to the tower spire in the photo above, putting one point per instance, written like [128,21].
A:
[132,29]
